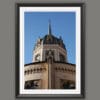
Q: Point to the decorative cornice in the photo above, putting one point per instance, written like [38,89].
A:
[34,63]
[34,70]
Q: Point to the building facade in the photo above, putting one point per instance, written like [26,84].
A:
[49,68]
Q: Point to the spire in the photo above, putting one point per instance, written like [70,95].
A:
[49,28]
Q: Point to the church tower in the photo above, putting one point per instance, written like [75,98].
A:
[49,43]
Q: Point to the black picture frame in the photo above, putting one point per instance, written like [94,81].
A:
[17,47]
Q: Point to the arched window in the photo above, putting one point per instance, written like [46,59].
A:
[67,84]
[37,57]
[32,84]
[62,58]
[49,53]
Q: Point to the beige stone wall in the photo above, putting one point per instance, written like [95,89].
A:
[42,48]
[63,71]
[50,74]
[37,71]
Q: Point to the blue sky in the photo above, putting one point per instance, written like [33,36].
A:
[62,24]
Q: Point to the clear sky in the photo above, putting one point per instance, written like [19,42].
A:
[62,24]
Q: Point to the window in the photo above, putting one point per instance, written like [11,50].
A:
[33,84]
[49,53]
[37,57]
[67,84]
[62,58]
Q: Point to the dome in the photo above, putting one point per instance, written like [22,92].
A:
[50,39]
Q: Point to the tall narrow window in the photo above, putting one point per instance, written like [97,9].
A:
[62,58]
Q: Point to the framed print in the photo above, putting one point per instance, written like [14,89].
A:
[50,50]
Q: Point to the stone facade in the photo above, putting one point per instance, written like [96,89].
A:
[50,75]
[41,50]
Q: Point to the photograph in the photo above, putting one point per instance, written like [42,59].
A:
[49,50]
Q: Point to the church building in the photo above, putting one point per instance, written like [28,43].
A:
[50,68]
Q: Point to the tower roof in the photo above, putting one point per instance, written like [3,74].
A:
[51,39]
